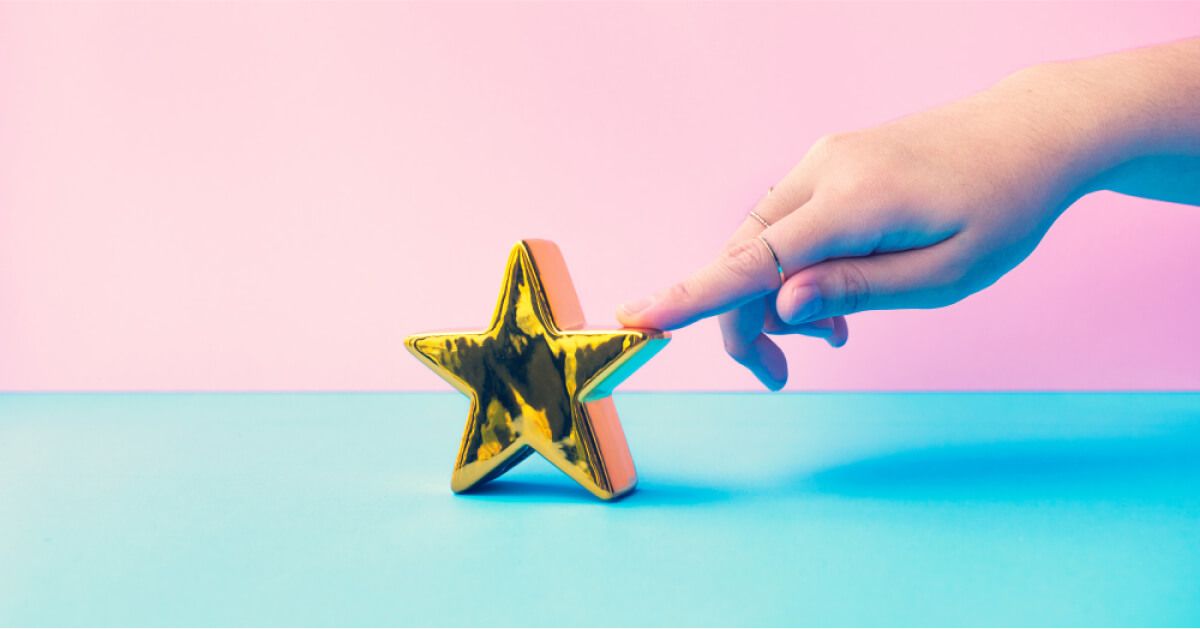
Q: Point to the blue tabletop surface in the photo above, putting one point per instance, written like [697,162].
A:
[753,509]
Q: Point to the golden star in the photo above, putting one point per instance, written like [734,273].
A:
[537,385]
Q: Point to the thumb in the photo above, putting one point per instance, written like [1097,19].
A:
[918,278]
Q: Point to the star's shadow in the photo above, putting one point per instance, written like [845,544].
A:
[543,490]
[1134,468]
[1138,468]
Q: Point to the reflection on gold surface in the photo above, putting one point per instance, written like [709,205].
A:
[539,383]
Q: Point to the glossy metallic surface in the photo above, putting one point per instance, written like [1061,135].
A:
[538,382]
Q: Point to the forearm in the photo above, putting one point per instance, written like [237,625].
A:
[1149,97]
[1130,121]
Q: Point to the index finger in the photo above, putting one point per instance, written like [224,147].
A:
[742,272]
[748,269]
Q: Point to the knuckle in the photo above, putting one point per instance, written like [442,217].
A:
[680,293]
[858,172]
[853,287]
[747,259]
[860,185]
[729,246]
[736,349]
[829,143]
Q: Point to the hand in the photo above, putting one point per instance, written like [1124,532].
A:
[916,213]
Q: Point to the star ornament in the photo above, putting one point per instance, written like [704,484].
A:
[538,382]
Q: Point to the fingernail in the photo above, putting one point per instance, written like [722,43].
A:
[809,301]
[638,305]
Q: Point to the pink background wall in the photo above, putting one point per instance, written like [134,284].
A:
[270,196]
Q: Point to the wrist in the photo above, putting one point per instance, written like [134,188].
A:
[1095,127]
[1046,117]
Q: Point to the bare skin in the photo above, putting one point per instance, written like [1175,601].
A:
[925,210]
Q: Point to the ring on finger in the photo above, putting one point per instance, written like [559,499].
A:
[775,257]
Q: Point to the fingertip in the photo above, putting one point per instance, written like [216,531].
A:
[660,311]
[641,313]
[774,371]
[763,358]
[841,332]
[626,319]
[773,385]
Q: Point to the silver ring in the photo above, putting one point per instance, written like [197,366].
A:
[754,215]
[775,256]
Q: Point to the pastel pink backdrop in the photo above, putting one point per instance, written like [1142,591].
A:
[272,195]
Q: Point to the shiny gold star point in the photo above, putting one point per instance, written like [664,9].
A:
[539,382]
